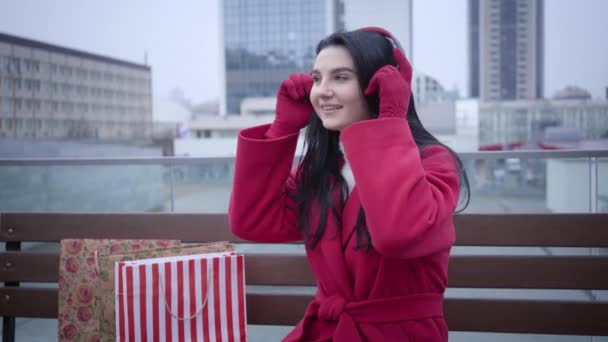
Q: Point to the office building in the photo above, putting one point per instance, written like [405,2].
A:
[506,49]
[263,41]
[52,92]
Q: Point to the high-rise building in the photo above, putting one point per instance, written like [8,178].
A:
[263,41]
[506,47]
[51,92]
[393,15]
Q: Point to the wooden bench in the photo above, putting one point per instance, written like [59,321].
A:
[581,272]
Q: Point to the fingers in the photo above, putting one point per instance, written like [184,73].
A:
[384,74]
[298,86]
[373,85]
[291,89]
[404,65]
[304,84]
[307,83]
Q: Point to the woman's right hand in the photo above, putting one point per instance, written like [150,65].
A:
[293,109]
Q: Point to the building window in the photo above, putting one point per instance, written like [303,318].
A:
[13,66]
[66,70]
[31,65]
[13,83]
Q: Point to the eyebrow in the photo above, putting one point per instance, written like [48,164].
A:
[335,71]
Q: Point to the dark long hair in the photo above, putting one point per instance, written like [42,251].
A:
[319,172]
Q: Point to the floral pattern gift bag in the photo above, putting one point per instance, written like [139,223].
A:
[79,281]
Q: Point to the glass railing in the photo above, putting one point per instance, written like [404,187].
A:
[537,181]
[501,182]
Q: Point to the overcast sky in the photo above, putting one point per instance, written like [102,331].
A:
[181,39]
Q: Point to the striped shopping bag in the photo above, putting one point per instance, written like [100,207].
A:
[184,298]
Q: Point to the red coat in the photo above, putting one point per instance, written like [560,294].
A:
[395,291]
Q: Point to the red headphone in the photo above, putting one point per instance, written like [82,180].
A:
[403,64]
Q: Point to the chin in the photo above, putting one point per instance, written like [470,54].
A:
[332,125]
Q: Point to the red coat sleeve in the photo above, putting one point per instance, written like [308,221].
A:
[260,207]
[408,197]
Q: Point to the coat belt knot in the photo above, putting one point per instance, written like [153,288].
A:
[332,307]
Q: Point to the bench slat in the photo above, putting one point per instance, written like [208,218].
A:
[532,272]
[506,315]
[52,227]
[527,316]
[543,272]
[261,269]
[542,230]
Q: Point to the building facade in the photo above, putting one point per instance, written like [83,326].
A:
[525,121]
[506,49]
[393,15]
[426,88]
[263,41]
[52,92]
[435,106]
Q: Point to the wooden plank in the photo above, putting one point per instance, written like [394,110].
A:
[534,272]
[260,269]
[527,316]
[490,315]
[29,267]
[537,230]
[276,309]
[278,270]
[52,227]
[543,230]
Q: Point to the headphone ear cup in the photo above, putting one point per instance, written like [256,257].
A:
[403,65]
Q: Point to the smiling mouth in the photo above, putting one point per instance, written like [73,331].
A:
[330,108]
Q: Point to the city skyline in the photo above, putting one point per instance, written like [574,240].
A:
[182,42]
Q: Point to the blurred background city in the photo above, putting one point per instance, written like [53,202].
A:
[128,106]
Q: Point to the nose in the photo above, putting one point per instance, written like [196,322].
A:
[323,89]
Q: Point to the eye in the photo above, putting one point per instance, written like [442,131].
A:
[341,77]
[316,78]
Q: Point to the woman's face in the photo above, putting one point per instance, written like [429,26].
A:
[336,94]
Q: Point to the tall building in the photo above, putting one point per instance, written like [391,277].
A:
[263,41]
[393,15]
[506,49]
[51,92]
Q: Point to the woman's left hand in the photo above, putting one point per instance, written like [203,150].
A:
[394,92]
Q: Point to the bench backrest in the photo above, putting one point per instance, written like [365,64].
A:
[544,271]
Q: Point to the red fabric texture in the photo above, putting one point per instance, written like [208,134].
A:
[393,292]
[293,109]
[394,92]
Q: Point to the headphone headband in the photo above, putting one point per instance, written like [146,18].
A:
[383,32]
[402,63]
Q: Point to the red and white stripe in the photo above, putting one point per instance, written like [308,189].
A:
[146,288]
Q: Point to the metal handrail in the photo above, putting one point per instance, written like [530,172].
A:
[540,154]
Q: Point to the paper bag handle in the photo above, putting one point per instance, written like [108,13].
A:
[162,288]
[168,309]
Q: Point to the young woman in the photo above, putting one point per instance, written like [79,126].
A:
[372,198]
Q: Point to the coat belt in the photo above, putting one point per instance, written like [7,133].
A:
[385,310]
